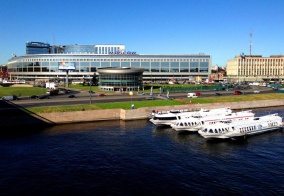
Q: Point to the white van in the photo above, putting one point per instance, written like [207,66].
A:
[192,95]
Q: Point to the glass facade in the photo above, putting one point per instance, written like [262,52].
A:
[79,49]
[37,48]
[94,49]
[88,58]
[120,79]
[155,66]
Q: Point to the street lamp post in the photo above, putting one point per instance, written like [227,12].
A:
[67,78]
[90,92]
[131,94]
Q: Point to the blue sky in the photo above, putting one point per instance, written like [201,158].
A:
[220,28]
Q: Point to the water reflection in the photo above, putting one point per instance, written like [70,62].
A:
[193,142]
[96,126]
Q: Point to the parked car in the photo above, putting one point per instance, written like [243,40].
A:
[256,91]
[10,97]
[198,94]
[192,95]
[150,98]
[33,97]
[63,90]
[238,93]
[218,94]
[101,95]
[43,97]
[71,96]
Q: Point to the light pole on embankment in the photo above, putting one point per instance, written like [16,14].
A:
[90,92]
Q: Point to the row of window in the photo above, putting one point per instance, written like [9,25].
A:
[120,64]
[118,60]
[120,80]
[93,69]
[261,60]
[260,74]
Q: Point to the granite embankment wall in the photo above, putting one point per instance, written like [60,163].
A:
[143,113]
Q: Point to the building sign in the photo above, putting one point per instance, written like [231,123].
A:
[66,65]
[124,53]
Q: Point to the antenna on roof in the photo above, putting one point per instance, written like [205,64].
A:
[53,39]
[250,44]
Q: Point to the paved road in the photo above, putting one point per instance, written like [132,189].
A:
[85,98]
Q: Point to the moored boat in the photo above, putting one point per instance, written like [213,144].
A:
[167,112]
[162,119]
[236,129]
[196,123]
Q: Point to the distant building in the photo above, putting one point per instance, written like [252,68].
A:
[43,62]
[94,49]
[3,68]
[37,48]
[255,68]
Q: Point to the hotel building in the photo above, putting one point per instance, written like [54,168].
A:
[249,68]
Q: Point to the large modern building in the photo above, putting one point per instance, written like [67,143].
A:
[84,60]
[249,68]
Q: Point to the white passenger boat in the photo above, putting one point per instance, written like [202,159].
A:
[226,130]
[197,122]
[174,112]
[162,119]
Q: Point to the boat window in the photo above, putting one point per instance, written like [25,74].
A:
[210,131]
[202,122]
[181,124]
[185,124]
[216,131]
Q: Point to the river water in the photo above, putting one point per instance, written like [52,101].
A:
[138,158]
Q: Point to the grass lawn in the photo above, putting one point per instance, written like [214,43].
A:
[21,91]
[152,103]
[27,91]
